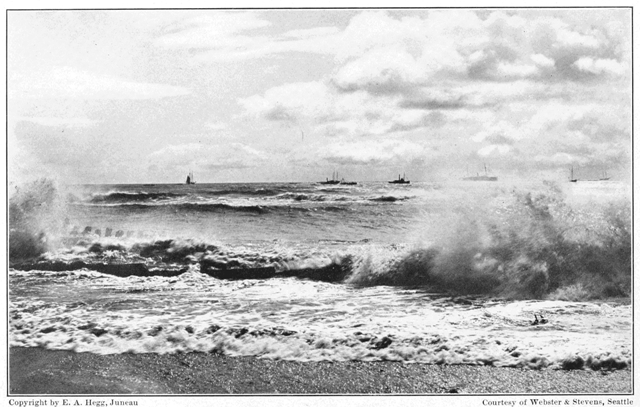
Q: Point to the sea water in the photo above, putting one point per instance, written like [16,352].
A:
[427,272]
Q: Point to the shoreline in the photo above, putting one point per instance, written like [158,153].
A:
[34,371]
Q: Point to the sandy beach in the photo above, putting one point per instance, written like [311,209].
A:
[36,371]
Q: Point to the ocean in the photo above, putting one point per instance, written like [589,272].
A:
[453,273]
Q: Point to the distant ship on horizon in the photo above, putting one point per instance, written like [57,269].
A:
[402,180]
[478,177]
[332,181]
[603,177]
[335,181]
[190,179]
[343,182]
[571,177]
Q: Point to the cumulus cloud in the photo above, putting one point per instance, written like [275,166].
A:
[291,102]
[335,113]
[382,54]
[542,61]
[379,71]
[599,66]
[545,87]
[515,80]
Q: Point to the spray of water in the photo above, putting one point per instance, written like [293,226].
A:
[524,245]
[36,218]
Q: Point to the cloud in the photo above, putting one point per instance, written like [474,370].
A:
[311,32]
[494,149]
[560,159]
[335,113]
[291,102]
[227,36]
[599,66]
[366,153]
[71,83]
[558,133]
[503,82]
[516,70]
[436,99]
[217,29]
[197,155]
[379,71]
[543,61]
[383,54]
[503,133]
[568,37]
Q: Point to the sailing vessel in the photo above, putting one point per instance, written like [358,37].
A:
[190,179]
[571,178]
[479,177]
[400,180]
[332,181]
[604,177]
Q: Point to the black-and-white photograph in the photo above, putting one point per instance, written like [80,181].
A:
[319,201]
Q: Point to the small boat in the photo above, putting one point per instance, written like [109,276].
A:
[604,177]
[190,179]
[402,180]
[571,178]
[479,177]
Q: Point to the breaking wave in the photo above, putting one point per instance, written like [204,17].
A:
[120,197]
[123,197]
[531,246]
[186,207]
[245,190]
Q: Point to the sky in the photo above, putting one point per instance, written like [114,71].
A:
[143,96]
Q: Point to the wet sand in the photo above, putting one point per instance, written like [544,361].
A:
[39,371]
